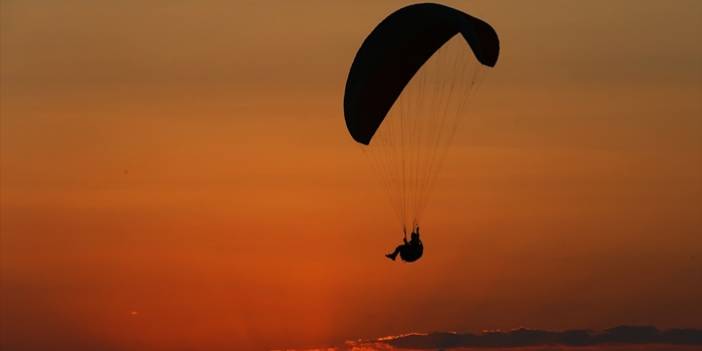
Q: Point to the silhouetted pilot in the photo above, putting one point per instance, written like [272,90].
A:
[411,250]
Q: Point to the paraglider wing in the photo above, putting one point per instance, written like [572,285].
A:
[395,50]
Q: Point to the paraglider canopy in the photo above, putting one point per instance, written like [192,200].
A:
[396,49]
[405,96]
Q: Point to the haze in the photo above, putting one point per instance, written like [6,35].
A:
[177,175]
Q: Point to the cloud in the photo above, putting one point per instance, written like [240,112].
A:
[622,335]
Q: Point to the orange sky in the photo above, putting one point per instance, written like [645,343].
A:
[189,162]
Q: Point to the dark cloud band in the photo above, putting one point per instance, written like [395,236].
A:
[641,335]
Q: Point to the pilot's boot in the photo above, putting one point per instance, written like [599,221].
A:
[391,256]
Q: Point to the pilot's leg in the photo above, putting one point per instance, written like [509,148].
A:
[394,254]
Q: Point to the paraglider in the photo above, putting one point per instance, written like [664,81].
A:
[411,250]
[406,92]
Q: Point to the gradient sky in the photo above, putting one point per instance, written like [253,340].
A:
[177,175]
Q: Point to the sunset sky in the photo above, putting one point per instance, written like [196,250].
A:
[177,176]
